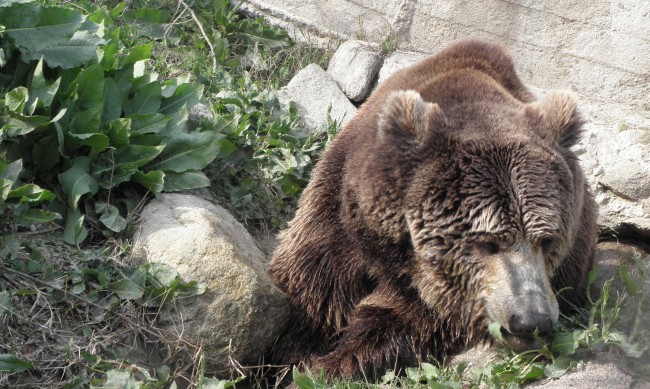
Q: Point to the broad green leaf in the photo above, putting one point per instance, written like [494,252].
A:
[31,193]
[146,100]
[110,217]
[35,215]
[559,367]
[45,154]
[61,36]
[78,51]
[220,46]
[269,37]
[116,176]
[176,125]
[119,132]
[11,364]
[124,79]
[16,99]
[175,182]
[96,142]
[135,155]
[430,371]
[186,94]
[5,303]
[290,185]
[164,273]
[142,80]
[33,27]
[148,124]
[74,232]
[136,54]
[120,379]
[40,89]
[566,343]
[89,86]
[86,122]
[12,170]
[76,181]
[186,152]
[532,371]
[126,289]
[170,86]
[5,188]
[112,109]
[109,60]
[18,124]
[154,180]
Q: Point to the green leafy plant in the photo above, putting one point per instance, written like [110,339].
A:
[95,126]
[265,161]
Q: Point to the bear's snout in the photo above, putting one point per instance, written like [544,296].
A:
[528,322]
[518,294]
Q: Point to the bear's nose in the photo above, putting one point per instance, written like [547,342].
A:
[525,324]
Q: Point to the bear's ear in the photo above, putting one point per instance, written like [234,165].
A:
[406,115]
[556,117]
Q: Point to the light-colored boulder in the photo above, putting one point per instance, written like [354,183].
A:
[354,67]
[396,61]
[316,94]
[241,313]
[615,153]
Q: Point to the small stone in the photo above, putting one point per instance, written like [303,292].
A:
[354,67]
[200,112]
[314,92]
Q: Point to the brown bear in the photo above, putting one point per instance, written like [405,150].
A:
[452,200]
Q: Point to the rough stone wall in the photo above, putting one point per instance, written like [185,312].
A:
[598,48]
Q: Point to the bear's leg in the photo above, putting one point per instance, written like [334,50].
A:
[385,331]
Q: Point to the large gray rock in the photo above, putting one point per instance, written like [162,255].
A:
[241,313]
[317,94]
[615,153]
[354,67]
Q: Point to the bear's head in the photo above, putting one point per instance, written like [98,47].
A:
[492,205]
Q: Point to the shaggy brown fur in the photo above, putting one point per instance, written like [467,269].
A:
[450,201]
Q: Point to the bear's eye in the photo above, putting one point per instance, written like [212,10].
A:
[488,247]
[546,244]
